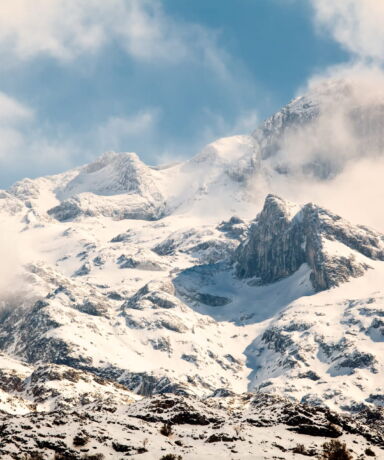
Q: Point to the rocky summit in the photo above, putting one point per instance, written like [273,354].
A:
[284,237]
[186,310]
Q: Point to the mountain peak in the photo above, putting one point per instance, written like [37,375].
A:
[110,174]
[319,133]
[285,236]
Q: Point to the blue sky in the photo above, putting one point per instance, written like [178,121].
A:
[161,78]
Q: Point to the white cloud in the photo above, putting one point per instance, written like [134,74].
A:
[12,116]
[355,24]
[65,29]
[12,111]
[60,28]
[336,159]
[22,143]
[117,130]
[348,135]
[355,194]
[244,122]
[147,33]
[27,148]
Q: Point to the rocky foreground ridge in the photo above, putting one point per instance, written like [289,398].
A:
[62,413]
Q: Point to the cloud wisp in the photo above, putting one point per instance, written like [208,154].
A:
[13,116]
[336,159]
[344,139]
[334,156]
[356,24]
[58,35]
[68,29]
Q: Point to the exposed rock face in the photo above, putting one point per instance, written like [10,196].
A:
[273,249]
[294,115]
[234,228]
[284,237]
[66,211]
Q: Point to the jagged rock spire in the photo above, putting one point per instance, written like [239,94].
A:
[283,237]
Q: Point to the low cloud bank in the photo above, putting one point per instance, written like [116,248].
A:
[334,154]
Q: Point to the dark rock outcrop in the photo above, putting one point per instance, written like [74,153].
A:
[282,238]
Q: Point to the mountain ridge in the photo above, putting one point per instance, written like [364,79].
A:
[307,232]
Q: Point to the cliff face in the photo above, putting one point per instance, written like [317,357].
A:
[285,236]
[274,247]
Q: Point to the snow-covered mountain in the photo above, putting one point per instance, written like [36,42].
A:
[121,282]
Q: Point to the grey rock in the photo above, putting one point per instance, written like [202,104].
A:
[189,358]
[309,375]
[122,237]
[83,270]
[66,211]
[98,261]
[155,294]
[92,308]
[161,343]
[280,241]
[234,228]
[211,300]
[357,360]
[277,340]
[127,262]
